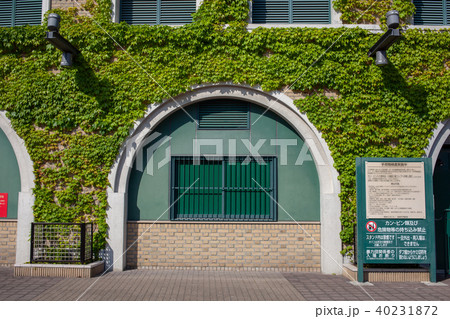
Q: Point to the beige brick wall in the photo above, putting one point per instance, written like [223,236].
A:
[8,230]
[299,95]
[64,4]
[248,246]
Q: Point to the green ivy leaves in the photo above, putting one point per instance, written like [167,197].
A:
[74,120]
[363,11]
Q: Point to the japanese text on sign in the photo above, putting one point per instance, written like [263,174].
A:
[395,190]
[397,240]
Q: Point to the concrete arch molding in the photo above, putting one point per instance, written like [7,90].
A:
[440,137]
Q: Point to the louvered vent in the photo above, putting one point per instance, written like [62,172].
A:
[177,11]
[157,11]
[270,11]
[223,114]
[447,14]
[311,11]
[6,13]
[28,12]
[291,11]
[431,12]
[138,11]
[20,12]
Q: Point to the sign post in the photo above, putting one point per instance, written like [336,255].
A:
[3,204]
[395,215]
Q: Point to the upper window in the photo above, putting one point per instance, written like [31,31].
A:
[291,11]
[170,12]
[432,12]
[20,12]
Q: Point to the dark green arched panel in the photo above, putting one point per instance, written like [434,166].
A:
[297,182]
[9,175]
[441,188]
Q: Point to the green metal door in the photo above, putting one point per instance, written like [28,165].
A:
[442,208]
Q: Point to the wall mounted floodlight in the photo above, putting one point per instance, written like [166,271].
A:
[378,51]
[58,41]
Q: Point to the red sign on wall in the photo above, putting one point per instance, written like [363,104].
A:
[3,204]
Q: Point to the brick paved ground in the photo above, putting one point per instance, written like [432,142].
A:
[23,288]
[314,286]
[211,285]
[176,285]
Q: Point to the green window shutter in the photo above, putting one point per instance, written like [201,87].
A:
[6,13]
[28,12]
[223,115]
[157,11]
[291,11]
[223,189]
[177,11]
[314,12]
[270,11]
[138,11]
[429,12]
[20,12]
[447,13]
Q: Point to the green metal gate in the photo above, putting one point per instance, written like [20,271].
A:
[226,188]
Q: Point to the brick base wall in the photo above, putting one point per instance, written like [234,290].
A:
[8,231]
[246,246]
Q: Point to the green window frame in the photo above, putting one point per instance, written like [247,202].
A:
[432,12]
[223,188]
[291,11]
[20,12]
[169,12]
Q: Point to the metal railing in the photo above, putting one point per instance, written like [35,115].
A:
[61,243]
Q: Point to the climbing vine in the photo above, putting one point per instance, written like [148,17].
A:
[75,120]
[372,11]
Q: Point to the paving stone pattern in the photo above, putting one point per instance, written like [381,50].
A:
[314,286]
[207,285]
[23,288]
[176,285]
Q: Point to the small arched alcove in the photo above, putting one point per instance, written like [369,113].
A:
[16,180]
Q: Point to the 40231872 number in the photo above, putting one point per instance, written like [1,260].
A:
[407,310]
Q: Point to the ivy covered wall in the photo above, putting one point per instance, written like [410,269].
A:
[74,121]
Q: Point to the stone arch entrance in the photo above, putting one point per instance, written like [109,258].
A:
[24,197]
[439,151]
[282,106]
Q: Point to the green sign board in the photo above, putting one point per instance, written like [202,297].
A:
[395,216]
